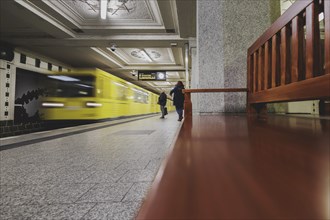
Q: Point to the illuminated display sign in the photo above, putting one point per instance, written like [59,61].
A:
[152,76]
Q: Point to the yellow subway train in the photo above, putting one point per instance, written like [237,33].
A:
[92,95]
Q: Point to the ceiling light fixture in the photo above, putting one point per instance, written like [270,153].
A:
[103,8]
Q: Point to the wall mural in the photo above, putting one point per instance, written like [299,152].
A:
[29,90]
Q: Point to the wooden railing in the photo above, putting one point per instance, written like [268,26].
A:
[290,61]
[187,97]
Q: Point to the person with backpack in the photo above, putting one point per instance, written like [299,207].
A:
[178,98]
[162,99]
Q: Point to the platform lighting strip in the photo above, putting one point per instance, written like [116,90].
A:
[106,56]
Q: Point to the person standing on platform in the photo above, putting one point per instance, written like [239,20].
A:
[178,98]
[162,99]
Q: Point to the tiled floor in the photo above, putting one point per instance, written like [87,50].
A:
[99,174]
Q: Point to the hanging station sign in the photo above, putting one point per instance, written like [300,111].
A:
[152,75]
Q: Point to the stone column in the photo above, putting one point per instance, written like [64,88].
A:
[225,30]
[194,75]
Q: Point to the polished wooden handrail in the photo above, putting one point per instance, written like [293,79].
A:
[187,95]
[286,62]
[215,90]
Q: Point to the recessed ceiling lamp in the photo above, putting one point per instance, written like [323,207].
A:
[103,8]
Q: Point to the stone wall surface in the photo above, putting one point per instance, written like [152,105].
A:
[225,30]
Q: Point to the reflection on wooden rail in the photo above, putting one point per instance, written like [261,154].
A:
[291,60]
[187,97]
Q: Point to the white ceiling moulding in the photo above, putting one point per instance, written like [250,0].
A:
[67,12]
[161,67]
[105,55]
[142,37]
[85,14]
[174,10]
[45,16]
[172,74]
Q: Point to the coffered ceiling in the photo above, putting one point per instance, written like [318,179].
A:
[135,35]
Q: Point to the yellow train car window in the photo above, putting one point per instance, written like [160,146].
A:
[140,96]
[71,86]
[121,91]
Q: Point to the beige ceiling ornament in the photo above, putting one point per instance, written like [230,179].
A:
[145,56]
[142,54]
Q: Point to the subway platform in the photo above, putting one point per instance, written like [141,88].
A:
[208,167]
[97,171]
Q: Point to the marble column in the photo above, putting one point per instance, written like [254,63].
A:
[225,30]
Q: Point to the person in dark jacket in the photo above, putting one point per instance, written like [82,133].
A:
[178,98]
[162,99]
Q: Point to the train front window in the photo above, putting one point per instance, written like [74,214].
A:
[71,86]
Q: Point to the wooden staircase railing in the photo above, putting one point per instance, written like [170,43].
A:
[290,61]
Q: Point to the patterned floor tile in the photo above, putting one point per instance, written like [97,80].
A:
[104,176]
[138,192]
[64,211]
[118,210]
[133,176]
[106,193]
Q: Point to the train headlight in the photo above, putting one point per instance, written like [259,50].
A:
[93,104]
[52,105]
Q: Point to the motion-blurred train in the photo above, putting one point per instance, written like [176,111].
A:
[93,95]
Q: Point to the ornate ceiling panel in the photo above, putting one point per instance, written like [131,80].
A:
[121,14]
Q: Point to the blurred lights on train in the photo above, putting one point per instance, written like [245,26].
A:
[93,104]
[83,85]
[52,104]
[82,92]
[64,78]
[118,84]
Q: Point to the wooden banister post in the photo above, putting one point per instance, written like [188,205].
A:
[187,105]
[327,35]
[313,64]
